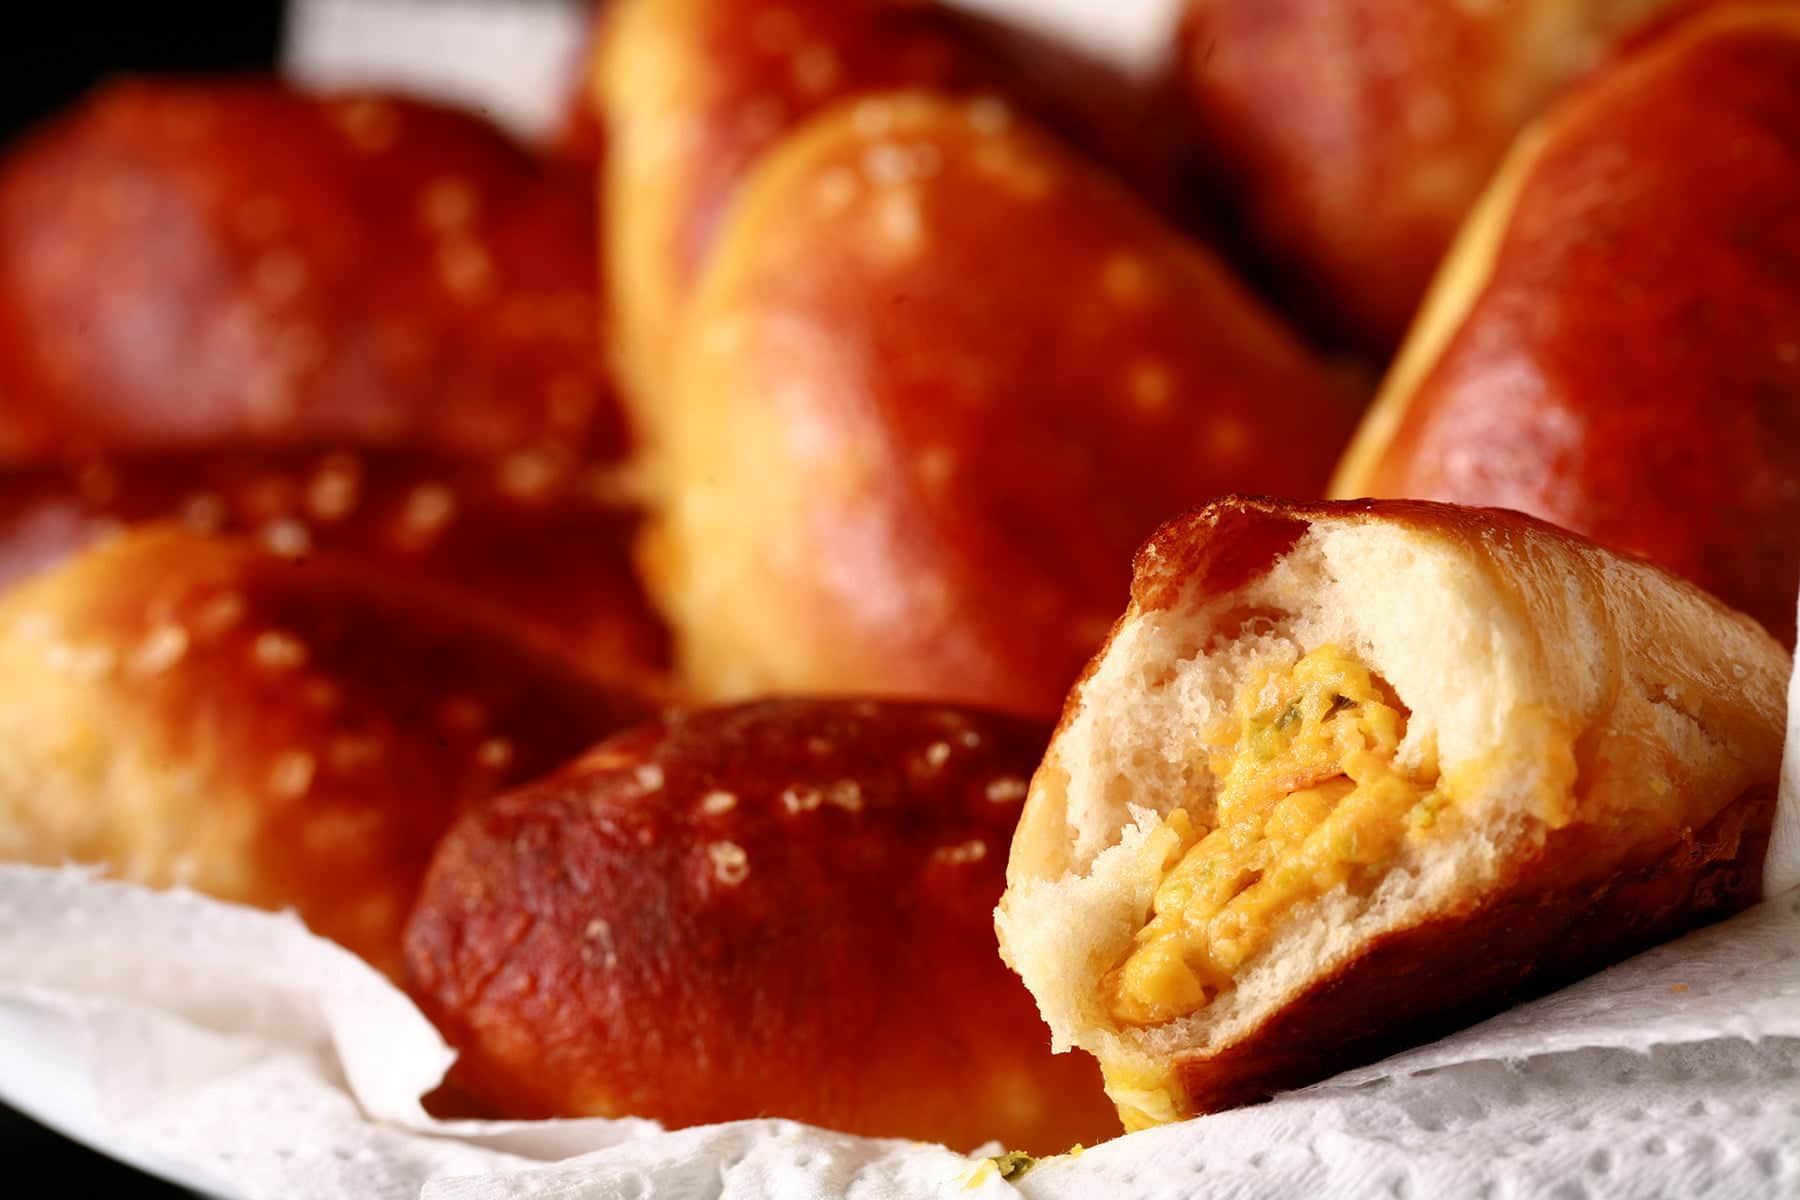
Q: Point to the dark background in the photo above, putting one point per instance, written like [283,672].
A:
[69,48]
[62,48]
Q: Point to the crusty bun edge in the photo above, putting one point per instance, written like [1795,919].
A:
[1463,276]
[1560,685]
[1534,933]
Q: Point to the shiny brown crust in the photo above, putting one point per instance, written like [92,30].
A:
[541,542]
[185,265]
[694,92]
[1659,840]
[360,323]
[1544,926]
[780,909]
[1355,134]
[196,710]
[918,463]
[1616,347]
[691,93]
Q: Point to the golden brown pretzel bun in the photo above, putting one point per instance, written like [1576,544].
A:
[195,710]
[186,265]
[691,92]
[1448,757]
[1356,134]
[542,542]
[694,92]
[355,323]
[783,909]
[1615,343]
[917,464]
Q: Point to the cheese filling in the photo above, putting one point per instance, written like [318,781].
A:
[1310,797]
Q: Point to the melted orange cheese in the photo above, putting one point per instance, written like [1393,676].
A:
[1309,798]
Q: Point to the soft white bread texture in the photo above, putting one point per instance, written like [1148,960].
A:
[1609,737]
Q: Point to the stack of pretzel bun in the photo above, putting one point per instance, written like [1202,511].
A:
[936,373]
[355,323]
[691,94]
[1614,344]
[811,592]
[199,710]
[1346,776]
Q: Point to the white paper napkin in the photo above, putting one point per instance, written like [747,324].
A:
[516,61]
[519,61]
[230,1049]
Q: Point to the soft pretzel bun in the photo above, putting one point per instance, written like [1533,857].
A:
[185,265]
[544,544]
[1353,135]
[695,92]
[918,464]
[352,323]
[1651,214]
[782,909]
[691,92]
[1615,344]
[1548,757]
[191,710]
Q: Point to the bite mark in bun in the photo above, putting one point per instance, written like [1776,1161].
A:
[1347,775]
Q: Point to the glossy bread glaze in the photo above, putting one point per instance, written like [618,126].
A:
[782,909]
[541,543]
[694,92]
[1615,345]
[352,322]
[1354,135]
[184,264]
[918,463]
[193,710]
